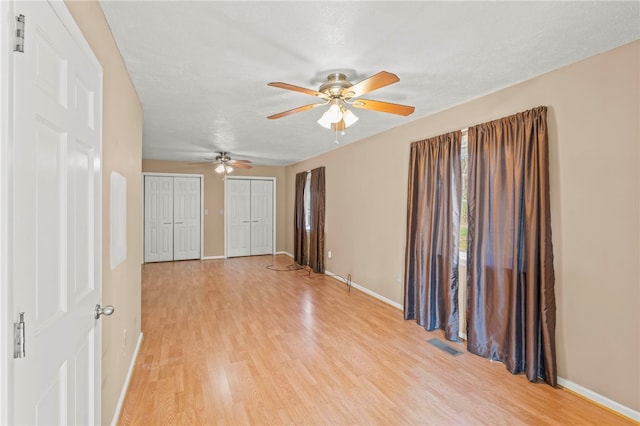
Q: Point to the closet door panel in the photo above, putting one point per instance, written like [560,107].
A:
[158,219]
[261,217]
[238,210]
[186,216]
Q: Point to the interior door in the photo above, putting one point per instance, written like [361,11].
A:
[186,218]
[238,210]
[158,218]
[261,217]
[56,208]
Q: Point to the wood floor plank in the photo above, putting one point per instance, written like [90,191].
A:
[231,342]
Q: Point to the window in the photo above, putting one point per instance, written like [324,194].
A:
[307,203]
[464,227]
[464,223]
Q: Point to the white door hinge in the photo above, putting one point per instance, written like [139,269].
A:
[19,44]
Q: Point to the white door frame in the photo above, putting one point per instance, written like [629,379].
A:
[7,38]
[6,298]
[201,176]
[272,179]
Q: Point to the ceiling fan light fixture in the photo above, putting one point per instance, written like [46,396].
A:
[334,113]
[228,168]
[324,121]
[220,168]
[348,117]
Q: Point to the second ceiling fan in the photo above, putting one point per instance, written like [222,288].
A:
[338,93]
[224,164]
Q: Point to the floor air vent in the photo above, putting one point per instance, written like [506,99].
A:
[441,345]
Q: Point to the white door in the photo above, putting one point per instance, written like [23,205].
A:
[158,218]
[56,222]
[249,216]
[186,218]
[261,217]
[238,210]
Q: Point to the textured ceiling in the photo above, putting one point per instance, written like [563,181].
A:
[201,68]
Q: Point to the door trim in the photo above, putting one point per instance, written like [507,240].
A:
[201,176]
[273,180]
[7,18]
[6,296]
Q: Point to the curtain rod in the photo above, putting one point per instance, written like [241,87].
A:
[463,131]
[466,130]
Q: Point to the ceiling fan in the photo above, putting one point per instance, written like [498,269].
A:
[338,92]
[225,164]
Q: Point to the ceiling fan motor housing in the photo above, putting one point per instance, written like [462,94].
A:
[223,157]
[335,85]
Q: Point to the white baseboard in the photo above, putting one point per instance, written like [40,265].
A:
[287,253]
[125,386]
[372,293]
[600,399]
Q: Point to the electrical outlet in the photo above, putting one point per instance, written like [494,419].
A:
[329,254]
[398,278]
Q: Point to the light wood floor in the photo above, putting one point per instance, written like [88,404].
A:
[231,342]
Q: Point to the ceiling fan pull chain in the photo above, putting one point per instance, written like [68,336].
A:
[336,141]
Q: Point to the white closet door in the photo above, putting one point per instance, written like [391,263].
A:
[238,209]
[186,218]
[158,218]
[261,217]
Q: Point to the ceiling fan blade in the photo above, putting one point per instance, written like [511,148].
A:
[383,106]
[304,90]
[292,111]
[240,161]
[241,165]
[376,81]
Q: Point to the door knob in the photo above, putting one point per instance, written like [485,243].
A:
[107,310]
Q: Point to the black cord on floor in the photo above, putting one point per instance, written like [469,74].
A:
[290,268]
[295,267]
[347,280]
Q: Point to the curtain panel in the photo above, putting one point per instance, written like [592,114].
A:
[316,237]
[511,299]
[433,226]
[299,232]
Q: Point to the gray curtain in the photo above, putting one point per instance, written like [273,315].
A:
[511,300]
[316,237]
[299,232]
[433,225]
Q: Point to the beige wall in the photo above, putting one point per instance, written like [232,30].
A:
[214,198]
[594,141]
[121,152]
